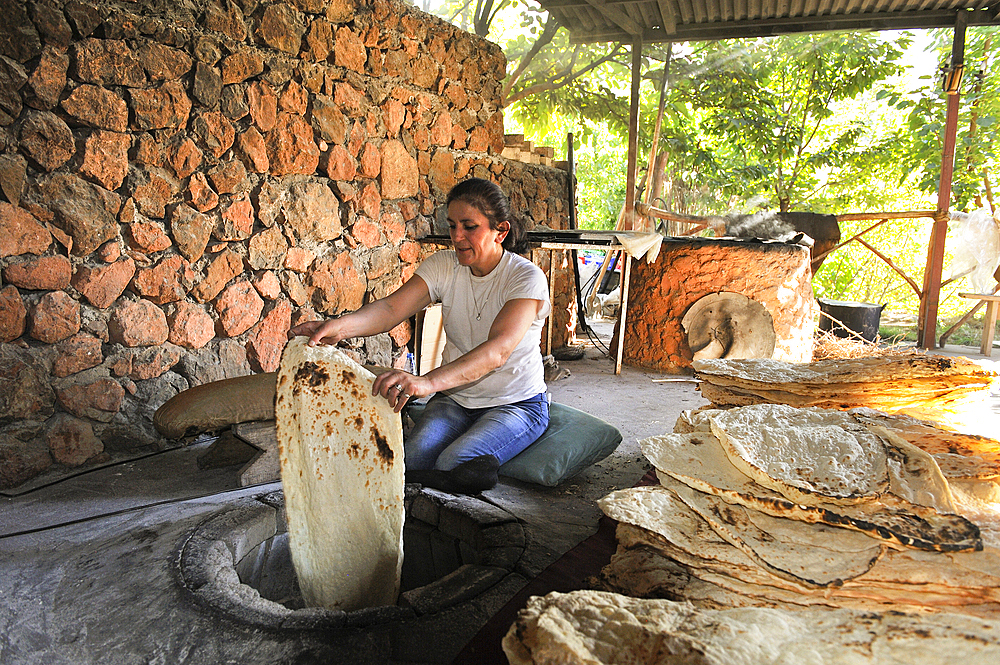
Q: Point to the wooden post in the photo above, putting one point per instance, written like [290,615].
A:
[633,153]
[633,134]
[927,321]
[571,162]
[552,301]
[654,172]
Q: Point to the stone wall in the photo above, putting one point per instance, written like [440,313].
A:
[776,275]
[182,181]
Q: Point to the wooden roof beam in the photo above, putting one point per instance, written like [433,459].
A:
[667,16]
[620,18]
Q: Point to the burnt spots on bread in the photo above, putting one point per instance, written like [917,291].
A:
[940,363]
[382,446]
[350,380]
[311,374]
[899,455]
[359,423]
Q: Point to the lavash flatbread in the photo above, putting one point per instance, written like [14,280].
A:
[656,521]
[699,461]
[960,456]
[695,420]
[859,457]
[599,627]
[808,554]
[927,386]
[848,371]
[808,455]
[341,452]
[646,565]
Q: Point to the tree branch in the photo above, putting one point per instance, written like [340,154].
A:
[551,27]
[568,78]
[481,20]
[465,5]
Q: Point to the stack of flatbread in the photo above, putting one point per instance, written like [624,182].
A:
[776,506]
[970,462]
[917,384]
[598,627]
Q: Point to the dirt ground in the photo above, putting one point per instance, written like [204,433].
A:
[88,572]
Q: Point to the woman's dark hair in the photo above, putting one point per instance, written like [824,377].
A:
[489,199]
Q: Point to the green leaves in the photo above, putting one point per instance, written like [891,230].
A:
[769,101]
[979,107]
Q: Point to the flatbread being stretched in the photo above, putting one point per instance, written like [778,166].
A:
[341,452]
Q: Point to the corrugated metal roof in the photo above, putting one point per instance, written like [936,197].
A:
[701,20]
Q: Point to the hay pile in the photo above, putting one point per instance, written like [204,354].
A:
[827,345]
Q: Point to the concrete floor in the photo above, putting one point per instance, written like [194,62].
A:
[88,568]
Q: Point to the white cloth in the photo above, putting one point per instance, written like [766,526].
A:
[638,244]
[463,296]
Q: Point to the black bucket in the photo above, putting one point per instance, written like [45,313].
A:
[858,318]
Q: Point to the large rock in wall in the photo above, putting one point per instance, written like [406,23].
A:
[181,182]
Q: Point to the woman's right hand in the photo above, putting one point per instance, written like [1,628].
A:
[319,332]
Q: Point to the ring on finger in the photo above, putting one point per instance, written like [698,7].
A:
[398,387]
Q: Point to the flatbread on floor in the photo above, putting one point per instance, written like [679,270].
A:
[699,461]
[600,627]
[807,554]
[808,455]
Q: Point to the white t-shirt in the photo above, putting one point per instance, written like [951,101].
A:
[469,306]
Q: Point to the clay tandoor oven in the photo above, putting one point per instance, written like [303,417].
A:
[776,275]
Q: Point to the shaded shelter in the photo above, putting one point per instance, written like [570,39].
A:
[651,21]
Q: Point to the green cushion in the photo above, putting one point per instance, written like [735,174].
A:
[573,441]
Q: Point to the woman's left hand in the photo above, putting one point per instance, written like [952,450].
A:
[398,387]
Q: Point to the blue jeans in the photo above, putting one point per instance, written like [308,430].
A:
[448,434]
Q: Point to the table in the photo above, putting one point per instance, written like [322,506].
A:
[990,323]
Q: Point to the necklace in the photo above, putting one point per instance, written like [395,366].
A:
[472,287]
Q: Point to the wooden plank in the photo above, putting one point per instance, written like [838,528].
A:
[623,311]
[994,297]
[989,327]
[927,322]
[552,300]
[633,134]
[989,322]
[265,467]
